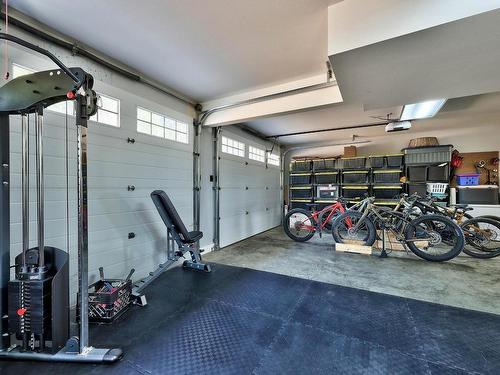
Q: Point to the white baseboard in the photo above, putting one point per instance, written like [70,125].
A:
[207,249]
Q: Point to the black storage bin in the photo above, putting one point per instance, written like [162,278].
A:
[324,164]
[300,179]
[300,166]
[437,173]
[326,178]
[394,161]
[301,203]
[387,192]
[355,177]
[354,163]
[417,174]
[420,189]
[386,176]
[354,192]
[327,191]
[428,155]
[377,161]
[479,194]
[305,192]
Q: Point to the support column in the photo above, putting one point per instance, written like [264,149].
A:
[4,227]
[216,187]
[196,175]
[83,225]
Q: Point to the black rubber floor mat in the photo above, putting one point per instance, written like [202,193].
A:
[240,321]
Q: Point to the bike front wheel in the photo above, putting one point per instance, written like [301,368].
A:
[434,237]
[299,225]
[482,237]
[349,227]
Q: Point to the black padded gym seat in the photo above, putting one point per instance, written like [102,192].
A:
[241,321]
[170,216]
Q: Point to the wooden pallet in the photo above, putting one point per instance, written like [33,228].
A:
[391,243]
[353,248]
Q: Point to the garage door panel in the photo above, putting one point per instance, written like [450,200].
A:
[114,212]
[249,195]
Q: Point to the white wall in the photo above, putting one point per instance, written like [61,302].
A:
[357,23]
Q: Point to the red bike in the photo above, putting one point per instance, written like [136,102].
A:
[300,224]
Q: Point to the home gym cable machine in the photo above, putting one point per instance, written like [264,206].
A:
[34,306]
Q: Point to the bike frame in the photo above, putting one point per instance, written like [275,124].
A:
[316,215]
[366,206]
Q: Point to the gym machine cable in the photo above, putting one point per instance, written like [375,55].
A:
[34,306]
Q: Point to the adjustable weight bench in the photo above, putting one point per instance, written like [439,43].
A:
[177,233]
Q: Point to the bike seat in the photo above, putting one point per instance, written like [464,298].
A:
[463,207]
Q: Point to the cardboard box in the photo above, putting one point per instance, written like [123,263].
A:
[350,152]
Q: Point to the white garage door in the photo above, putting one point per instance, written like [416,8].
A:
[250,195]
[114,210]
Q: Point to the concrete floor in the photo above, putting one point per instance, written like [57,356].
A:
[463,282]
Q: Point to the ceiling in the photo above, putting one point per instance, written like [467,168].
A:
[460,112]
[201,49]
[209,49]
[334,116]
[456,59]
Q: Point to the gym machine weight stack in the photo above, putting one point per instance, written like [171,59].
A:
[34,307]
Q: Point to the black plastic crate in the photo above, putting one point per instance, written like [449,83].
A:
[109,299]
[420,189]
[305,192]
[387,192]
[354,192]
[354,163]
[377,161]
[300,166]
[486,194]
[324,164]
[300,179]
[326,178]
[327,191]
[417,174]
[394,161]
[428,155]
[438,173]
[387,176]
[355,177]
[301,203]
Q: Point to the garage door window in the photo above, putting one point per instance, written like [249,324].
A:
[158,125]
[108,112]
[233,147]
[273,159]
[19,70]
[255,153]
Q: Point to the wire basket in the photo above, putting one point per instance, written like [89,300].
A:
[436,188]
[108,299]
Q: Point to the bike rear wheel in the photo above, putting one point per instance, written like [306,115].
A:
[482,237]
[343,229]
[434,237]
[299,225]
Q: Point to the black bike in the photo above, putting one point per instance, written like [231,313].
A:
[431,237]
[482,233]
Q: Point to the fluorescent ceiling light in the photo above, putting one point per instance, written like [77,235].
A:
[421,110]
